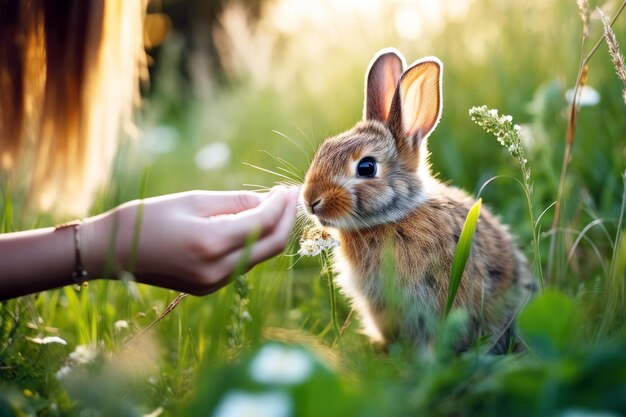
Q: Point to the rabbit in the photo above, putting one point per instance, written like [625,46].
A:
[372,188]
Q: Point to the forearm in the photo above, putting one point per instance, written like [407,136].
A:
[36,260]
[189,242]
[42,259]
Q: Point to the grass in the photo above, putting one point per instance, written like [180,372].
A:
[462,253]
[518,57]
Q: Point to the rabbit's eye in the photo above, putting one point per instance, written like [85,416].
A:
[366,167]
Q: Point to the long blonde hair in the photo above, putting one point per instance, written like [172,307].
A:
[69,76]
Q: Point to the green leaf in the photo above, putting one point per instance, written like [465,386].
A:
[547,325]
[462,252]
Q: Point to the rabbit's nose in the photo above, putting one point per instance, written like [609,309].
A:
[315,204]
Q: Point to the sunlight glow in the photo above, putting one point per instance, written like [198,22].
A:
[411,18]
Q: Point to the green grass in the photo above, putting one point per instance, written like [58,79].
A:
[518,57]
[462,253]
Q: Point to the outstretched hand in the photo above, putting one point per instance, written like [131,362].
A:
[192,241]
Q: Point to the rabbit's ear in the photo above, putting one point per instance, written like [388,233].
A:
[417,103]
[381,83]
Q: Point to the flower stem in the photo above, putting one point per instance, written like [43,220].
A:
[569,137]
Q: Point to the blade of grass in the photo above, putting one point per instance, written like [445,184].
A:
[462,253]
[135,243]
[327,270]
[7,214]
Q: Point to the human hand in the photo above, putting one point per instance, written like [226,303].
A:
[192,241]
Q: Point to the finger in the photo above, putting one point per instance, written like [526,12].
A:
[268,246]
[213,203]
[217,274]
[231,231]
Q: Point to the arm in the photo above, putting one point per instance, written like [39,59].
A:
[190,242]
[35,260]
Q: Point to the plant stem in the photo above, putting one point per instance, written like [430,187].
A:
[570,135]
[170,307]
[537,259]
[333,298]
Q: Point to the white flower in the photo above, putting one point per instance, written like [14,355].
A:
[47,340]
[64,371]
[309,248]
[247,404]
[120,325]
[276,364]
[315,240]
[588,96]
[328,243]
[84,354]
[246,315]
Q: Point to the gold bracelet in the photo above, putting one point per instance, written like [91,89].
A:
[79,276]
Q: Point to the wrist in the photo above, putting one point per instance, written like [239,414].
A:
[107,241]
[93,248]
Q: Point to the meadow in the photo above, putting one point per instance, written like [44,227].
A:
[281,340]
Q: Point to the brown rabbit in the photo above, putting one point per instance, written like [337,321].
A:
[372,188]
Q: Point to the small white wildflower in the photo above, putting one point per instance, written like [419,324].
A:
[120,325]
[328,243]
[309,248]
[47,340]
[507,133]
[84,354]
[587,96]
[63,372]
[246,315]
[315,240]
[248,404]
[276,364]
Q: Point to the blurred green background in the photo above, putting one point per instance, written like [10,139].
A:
[235,82]
[296,67]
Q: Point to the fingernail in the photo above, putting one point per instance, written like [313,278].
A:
[272,191]
[275,191]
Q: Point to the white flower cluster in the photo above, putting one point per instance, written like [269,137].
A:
[274,365]
[82,355]
[507,133]
[314,241]
[120,325]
